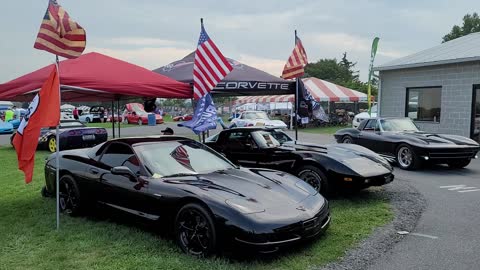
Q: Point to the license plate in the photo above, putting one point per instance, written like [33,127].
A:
[89,137]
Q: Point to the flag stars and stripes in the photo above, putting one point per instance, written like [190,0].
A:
[210,66]
[296,62]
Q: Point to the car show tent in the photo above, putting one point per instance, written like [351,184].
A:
[97,77]
[243,80]
[319,89]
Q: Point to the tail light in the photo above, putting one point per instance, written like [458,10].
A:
[74,132]
[101,131]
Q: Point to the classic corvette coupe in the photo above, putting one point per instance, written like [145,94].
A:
[327,168]
[73,134]
[180,182]
[398,139]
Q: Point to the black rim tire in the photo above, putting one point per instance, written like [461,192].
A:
[315,177]
[87,120]
[402,153]
[347,139]
[459,164]
[195,231]
[69,196]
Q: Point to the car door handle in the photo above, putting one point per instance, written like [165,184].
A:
[94,171]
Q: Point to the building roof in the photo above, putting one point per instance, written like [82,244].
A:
[463,49]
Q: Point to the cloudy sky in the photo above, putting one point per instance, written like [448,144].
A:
[152,33]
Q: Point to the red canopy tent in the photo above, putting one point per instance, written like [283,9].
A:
[97,77]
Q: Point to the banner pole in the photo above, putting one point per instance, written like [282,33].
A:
[57,155]
[113,119]
[296,100]
[118,115]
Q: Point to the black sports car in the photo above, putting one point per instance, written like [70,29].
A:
[73,134]
[398,139]
[179,181]
[327,168]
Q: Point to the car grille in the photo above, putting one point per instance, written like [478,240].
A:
[453,153]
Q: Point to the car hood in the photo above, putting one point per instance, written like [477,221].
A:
[251,188]
[357,158]
[365,115]
[440,139]
[6,125]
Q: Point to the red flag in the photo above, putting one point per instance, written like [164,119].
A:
[43,111]
[294,66]
[59,34]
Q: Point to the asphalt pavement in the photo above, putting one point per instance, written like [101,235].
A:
[447,234]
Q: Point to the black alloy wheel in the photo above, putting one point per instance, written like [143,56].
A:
[315,177]
[69,195]
[195,231]
[347,139]
[459,164]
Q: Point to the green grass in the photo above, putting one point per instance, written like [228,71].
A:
[109,125]
[322,130]
[29,240]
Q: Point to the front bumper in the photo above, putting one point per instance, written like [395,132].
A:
[446,154]
[287,235]
[352,182]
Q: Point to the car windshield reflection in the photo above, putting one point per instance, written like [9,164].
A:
[180,158]
[398,125]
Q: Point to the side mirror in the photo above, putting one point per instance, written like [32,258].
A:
[125,171]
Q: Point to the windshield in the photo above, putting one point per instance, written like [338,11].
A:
[280,136]
[398,125]
[256,115]
[264,139]
[180,157]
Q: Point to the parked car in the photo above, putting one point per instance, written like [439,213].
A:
[135,114]
[207,200]
[186,117]
[357,119]
[400,140]
[5,128]
[256,118]
[327,168]
[73,134]
[92,115]
[115,117]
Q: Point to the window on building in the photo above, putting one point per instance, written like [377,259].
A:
[423,104]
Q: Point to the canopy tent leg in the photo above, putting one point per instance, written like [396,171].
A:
[291,116]
[57,154]
[118,114]
[113,119]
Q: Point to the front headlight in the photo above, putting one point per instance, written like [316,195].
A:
[245,206]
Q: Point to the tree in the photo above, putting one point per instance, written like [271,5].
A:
[339,72]
[471,24]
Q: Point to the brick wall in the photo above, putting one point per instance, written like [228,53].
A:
[457,82]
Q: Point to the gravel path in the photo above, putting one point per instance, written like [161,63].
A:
[408,205]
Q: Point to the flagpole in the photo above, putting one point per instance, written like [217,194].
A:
[296,100]
[57,156]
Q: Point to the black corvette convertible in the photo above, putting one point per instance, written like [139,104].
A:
[398,139]
[327,168]
[73,134]
[179,181]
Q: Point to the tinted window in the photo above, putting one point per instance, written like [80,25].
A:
[239,140]
[265,139]
[423,104]
[280,136]
[371,124]
[119,154]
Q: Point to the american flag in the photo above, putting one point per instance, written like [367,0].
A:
[294,66]
[210,66]
[180,154]
[59,34]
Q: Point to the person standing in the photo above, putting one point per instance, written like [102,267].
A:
[9,114]
[101,113]
[75,113]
